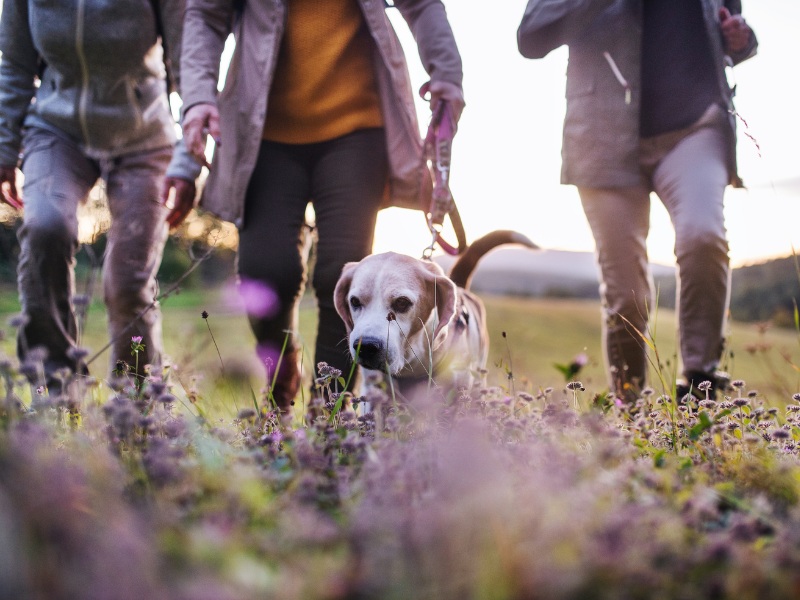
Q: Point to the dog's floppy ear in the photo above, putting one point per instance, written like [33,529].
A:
[445,296]
[340,293]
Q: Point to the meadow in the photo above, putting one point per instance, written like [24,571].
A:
[529,336]
[536,484]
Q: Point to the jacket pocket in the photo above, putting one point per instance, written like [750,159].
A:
[134,96]
[48,92]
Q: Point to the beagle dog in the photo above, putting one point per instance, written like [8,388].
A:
[407,319]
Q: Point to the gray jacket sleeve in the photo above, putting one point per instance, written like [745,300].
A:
[182,164]
[548,24]
[18,67]
[438,51]
[172,13]
[206,26]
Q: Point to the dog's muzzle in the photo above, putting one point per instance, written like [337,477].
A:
[370,353]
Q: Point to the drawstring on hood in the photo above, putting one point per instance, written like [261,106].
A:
[618,74]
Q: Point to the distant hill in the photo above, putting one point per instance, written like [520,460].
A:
[539,273]
[767,291]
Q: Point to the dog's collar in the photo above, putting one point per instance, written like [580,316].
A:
[462,320]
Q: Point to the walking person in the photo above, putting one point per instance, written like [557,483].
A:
[83,97]
[317,107]
[649,109]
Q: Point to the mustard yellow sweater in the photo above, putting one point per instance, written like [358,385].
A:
[324,83]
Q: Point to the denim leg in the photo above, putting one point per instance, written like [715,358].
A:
[57,179]
[133,255]
[620,220]
[690,180]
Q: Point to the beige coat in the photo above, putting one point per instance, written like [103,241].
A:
[601,130]
[257,27]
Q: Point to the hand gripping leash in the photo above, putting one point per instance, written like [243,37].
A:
[436,153]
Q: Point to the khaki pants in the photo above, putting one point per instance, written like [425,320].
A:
[58,177]
[687,170]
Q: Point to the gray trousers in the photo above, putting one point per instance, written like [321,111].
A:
[687,170]
[58,177]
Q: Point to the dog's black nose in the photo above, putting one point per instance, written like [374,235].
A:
[370,352]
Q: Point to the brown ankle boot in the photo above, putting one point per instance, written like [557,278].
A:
[287,382]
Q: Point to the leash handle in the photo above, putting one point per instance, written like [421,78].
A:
[438,144]
[437,154]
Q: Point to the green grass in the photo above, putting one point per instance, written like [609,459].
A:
[541,332]
[538,334]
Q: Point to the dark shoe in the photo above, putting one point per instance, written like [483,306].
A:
[695,382]
[287,383]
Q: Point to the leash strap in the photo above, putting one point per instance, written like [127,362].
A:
[437,152]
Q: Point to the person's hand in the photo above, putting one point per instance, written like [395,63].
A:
[183,200]
[735,31]
[8,187]
[444,90]
[200,121]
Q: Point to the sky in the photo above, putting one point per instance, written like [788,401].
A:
[507,153]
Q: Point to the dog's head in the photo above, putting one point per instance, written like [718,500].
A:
[396,309]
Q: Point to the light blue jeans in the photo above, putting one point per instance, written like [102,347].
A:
[58,177]
[687,170]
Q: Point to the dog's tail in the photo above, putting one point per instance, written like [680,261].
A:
[461,273]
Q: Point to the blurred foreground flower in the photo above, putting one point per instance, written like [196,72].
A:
[571,369]
[260,300]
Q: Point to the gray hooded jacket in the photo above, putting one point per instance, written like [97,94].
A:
[601,127]
[100,71]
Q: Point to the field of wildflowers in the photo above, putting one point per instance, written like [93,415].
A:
[138,489]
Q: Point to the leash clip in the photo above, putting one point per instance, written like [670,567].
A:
[427,253]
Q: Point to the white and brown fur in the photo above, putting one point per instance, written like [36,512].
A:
[407,318]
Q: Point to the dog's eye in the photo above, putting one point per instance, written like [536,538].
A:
[355,302]
[401,304]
